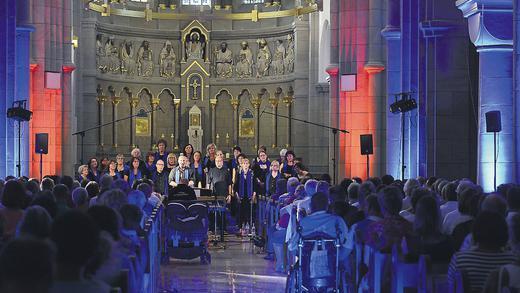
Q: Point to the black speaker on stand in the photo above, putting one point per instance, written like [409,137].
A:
[494,124]
[367,148]
[41,147]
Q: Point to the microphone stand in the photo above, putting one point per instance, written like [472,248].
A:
[81,133]
[334,130]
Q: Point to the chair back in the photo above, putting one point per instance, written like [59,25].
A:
[404,274]
[461,283]
[174,213]
[198,209]
[377,263]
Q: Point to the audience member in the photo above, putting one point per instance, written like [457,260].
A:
[63,198]
[410,185]
[382,235]
[26,266]
[76,237]
[80,199]
[46,200]
[449,195]
[513,202]
[13,202]
[35,223]
[417,194]
[491,235]
[47,184]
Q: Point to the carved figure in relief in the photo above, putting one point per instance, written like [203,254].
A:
[100,54]
[243,67]
[127,58]
[145,64]
[245,61]
[289,55]
[112,54]
[167,60]
[194,47]
[224,61]
[279,58]
[263,59]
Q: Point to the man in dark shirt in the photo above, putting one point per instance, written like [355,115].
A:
[160,178]
[218,174]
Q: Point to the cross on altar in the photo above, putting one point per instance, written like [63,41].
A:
[195,85]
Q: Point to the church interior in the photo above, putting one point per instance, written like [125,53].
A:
[259,146]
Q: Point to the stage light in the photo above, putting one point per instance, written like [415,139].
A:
[402,106]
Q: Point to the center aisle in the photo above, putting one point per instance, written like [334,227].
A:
[234,269]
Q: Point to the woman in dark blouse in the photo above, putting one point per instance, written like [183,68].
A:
[198,169]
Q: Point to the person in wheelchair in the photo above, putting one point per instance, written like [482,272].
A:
[321,222]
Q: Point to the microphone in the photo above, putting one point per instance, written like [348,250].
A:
[160,108]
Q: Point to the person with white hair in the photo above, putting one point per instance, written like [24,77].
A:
[181,172]
[136,153]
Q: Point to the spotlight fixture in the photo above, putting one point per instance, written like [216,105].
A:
[402,106]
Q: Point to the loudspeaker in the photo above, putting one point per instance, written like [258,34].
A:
[42,143]
[493,121]
[366,144]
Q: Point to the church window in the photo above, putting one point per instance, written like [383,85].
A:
[252,1]
[143,1]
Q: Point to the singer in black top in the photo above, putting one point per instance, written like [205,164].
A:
[160,178]
[161,153]
[218,174]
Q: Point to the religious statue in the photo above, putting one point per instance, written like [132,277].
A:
[145,64]
[263,59]
[279,58]
[167,60]
[127,58]
[289,55]
[194,47]
[112,56]
[243,67]
[100,54]
[224,61]
[245,61]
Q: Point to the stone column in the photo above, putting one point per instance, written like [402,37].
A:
[101,99]
[213,104]
[333,71]
[516,76]
[288,100]
[133,104]
[490,29]
[115,101]
[66,150]
[374,66]
[392,34]
[154,102]
[177,117]
[235,102]
[273,100]
[257,101]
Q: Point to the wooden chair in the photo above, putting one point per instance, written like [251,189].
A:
[431,277]
[403,274]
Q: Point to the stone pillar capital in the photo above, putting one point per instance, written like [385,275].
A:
[332,70]
[489,23]
[68,68]
[33,67]
[374,68]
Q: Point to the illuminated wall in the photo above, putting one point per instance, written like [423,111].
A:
[490,25]
[14,51]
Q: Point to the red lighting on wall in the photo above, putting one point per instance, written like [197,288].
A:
[46,105]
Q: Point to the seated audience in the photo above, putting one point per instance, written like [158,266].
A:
[507,278]
[46,200]
[428,238]
[181,172]
[80,199]
[449,195]
[468,200]
[26,266]
[490,235]
[417,194]
[63,198]
[382,235]
[513,202]
[76,237]
[35,223]
[321,221]
[373,215]
[13,201]
[114,198]
[410,185]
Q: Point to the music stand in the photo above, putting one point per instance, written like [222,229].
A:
[219,189]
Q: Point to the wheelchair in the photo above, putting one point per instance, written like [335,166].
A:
[186,231]
[317,268]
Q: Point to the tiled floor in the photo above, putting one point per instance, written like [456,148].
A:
[234,269]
